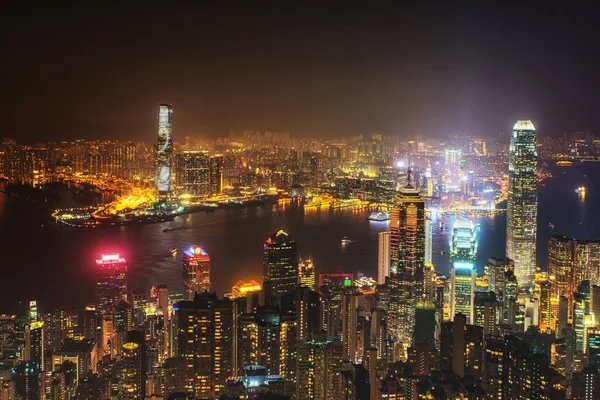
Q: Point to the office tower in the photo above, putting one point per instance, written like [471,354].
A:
[204,335]
[280,263]
[452,169]
[138,301]
[112,282]
[521,225]
[216,174]
[560,265]
[429,284]
[26,376]
[306,273]
[131,372]
[463,253]
[196,271]
[122,322]
[164,149]
[510,291]
[495,271]
[593,347]
[383,257]
[34,342]
[331,287]
[585,385]
[90,322]
[548,307]
[192,173]
[587,261]
[407,243]
[428,242]
[486,307]
[69,323]
[34,314]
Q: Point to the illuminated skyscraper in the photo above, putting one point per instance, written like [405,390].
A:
[280,263]
[521,226]
[196,271]
[560,265]
[306,274]
[383,257]
[407,261]
[112,282]
[204,335]
[164,150]
[463,253]
[131,372]
[34,341]
[216,174]
[192,172]
[428,242]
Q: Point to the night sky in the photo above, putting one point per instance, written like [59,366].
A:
[312,69]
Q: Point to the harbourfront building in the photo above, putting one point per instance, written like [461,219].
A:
[192,173]
[216,174]
[196,271]
[164,150]
[280,263]
[522,204]
[111,284]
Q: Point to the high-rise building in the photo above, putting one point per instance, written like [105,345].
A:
[192,173]
[196,271]
[407,243]
[164,149]
[34,341]
[111,284]
[428,242]
[587,261]
[521,227]
[318,365]
[204,335]
[463,253]
[486,308]
[280,263]
[216,174]
[560,265]
[495,272]
[131,372]
[306,273]
[383,256]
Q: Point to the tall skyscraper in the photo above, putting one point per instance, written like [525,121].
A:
[560,265]
[280,263]
[112,282]
[216,174]
[463,253]
[192,172]
[428,242]
[131,372]
[164,149]
[383,257]
[196,271]
[521,226]
[204,337]
[407,261]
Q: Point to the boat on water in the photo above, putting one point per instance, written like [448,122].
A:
[346,241]
[580,190]
[551,225]
[379,216]
[564,163]
[168,229]
[174,251]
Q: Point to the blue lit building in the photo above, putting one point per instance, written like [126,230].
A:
[164,150]
[463,252]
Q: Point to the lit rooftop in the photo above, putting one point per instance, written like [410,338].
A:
[524,125]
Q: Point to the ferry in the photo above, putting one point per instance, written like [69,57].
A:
[580,190]
[564,163]
[174,251]
[168,229]
[346,241]
[379,216]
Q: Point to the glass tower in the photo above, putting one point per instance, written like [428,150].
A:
[164,149]
[521,227]
[407,250]
[280,266]
[463,253]
[196,271]
[192,172]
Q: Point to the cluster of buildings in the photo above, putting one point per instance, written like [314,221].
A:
[510,331]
